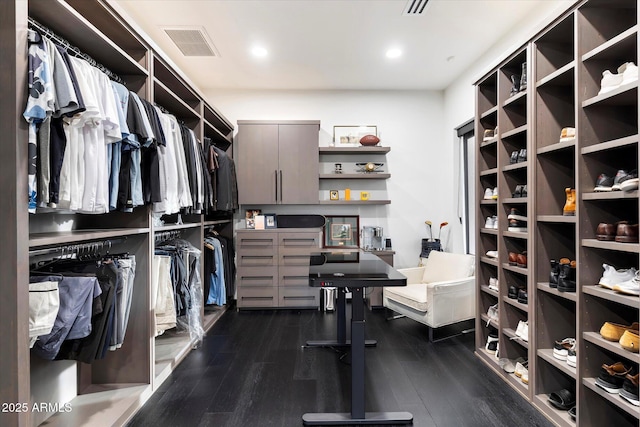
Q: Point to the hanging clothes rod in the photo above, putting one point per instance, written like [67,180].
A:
[48,33]
[94,246]
[161,236]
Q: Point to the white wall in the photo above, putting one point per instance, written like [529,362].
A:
[410,122]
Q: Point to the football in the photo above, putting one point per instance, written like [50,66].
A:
[369,140]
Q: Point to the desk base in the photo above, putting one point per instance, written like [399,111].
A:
[344,418]
[334,343]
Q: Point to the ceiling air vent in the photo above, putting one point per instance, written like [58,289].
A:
[415,7]
[192,41]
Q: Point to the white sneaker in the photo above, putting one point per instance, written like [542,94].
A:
[492,344]
[492,254]
[493,284]
[561,348]
[494,196]
[612,277]
[521,368]
[629,72]
[488,194]
[609,82]
[630,287]
[491,222]
[522,331]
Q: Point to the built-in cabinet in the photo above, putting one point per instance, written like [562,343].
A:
[565,64]
[273,268]
[108,391]
[277,162]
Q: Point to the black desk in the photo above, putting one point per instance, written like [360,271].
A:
[354,270]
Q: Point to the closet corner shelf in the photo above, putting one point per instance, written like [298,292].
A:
[614,246]
[625,95]
[489,172]
[625,41]
[544,286]
[170,227]
[608,145]
[520,96]
[489,112]
[364,175]
[547,354]
[515,167]
[561,77]
[515,200]
[354,150]
[613,398]
[558,146]
[612,346]
[514,132]
[489,231]
[64,237]
[485,288]
[560,219]
[610,195]
[512,334]
[515,268]
[516,234]
[355,202]
[516,304]
[607,294]
[489,143]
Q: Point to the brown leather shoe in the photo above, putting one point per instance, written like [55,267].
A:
[613,331]
[627,233]
[521,260]
[606,231]
[513,258]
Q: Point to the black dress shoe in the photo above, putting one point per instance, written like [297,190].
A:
[513,292]
[567,277]
[553,274]
[523,297]
[522,156]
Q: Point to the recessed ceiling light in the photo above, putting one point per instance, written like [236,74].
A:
[394,53]
[259,52]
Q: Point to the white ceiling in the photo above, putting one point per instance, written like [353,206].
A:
[330,44]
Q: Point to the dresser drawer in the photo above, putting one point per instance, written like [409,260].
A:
[291,256]
[257,276]
[256,259]
[267,240]
[299,297]
[258,297]
[294,276]
[299,239]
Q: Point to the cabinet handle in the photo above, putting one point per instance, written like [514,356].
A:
[256,298]
[280,184]
[311,297]
[275,172]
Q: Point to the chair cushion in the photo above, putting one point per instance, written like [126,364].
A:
[443,266]
[414,295]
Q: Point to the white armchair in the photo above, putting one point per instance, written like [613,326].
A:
[440,293]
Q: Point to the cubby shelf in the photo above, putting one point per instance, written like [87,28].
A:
[516,234]
[518,305]
[488,290]
[354,150]
[558,416]
[547,354]
[610,195]
[64,237]
[558,219]
[355,176]
[515,269]
[625,95]
[612,246]
[608,145]
[612,346]
[489,172]
[623,41]
[609,295]
[561,77]
[544,286]
[613,398]
[558,146]
[512,335]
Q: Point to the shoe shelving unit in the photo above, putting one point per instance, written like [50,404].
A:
[109,391]
[565,65]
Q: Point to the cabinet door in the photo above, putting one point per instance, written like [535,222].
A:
[257,147]
[298,164]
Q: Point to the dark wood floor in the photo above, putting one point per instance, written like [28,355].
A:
[252,371]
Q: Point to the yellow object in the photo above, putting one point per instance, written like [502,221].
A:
[630,341]
[570,205]
[364,195]
[347,194]
[613,331]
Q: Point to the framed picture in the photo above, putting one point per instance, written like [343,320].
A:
[342,231]
[334,195]
[250,217]
[349,136]
[270,221]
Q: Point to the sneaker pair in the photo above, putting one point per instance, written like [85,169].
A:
[566,350]
[492,254]
[491,193]
[625,181]
[627,73]
[517,221]
[522,331]
[493,284]
[520,191]
[611,377]
[612,277]
[492,314]
[629,287]
[629,390]
[522,370]
[492,343]
[567,134]
[491,222]
[518,156]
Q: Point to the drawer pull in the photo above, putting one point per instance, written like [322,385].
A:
[257,256]
[256,277]
[310,297]
[256,298]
